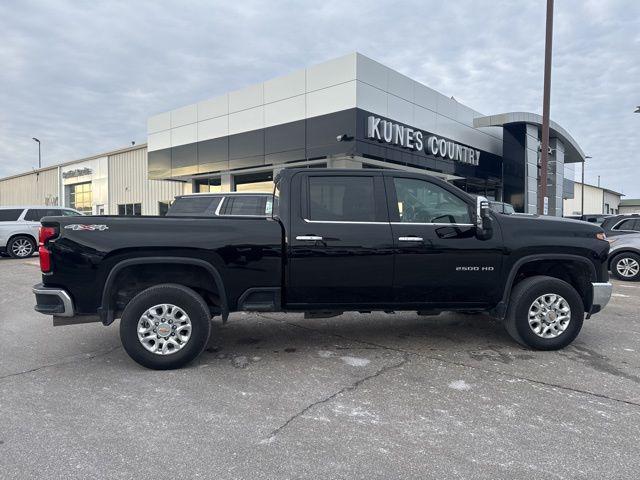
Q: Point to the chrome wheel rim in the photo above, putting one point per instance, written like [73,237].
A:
[628,267]
[21,247]
[549,315]
[164,329]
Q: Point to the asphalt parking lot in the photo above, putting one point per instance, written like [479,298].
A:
[357,396]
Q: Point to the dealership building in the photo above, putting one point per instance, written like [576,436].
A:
[350,112]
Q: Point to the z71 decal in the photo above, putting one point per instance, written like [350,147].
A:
[86,228]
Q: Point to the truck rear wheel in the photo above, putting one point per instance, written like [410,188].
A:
[165,326]
[544,313]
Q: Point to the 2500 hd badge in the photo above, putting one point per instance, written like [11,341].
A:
[337,240]
[475,269]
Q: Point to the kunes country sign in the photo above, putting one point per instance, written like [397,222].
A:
[407,137]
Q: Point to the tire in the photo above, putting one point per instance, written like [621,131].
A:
[167,297]
[626,266]
[522,300]
[21,246]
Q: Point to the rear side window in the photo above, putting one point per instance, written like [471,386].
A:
[10,214]
[245,205]
[194,206]
[348,199]
[630,224]
[35,214]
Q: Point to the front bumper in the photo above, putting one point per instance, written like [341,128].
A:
[53,301]
[601,295]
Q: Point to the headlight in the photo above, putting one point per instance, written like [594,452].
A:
[601,236]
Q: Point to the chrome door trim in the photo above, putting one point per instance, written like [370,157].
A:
[344,221]
[437,224]
[410,239]
[314,238]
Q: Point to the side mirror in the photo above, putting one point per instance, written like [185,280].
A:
[484,222]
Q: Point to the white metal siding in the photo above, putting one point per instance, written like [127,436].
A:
[31,189]
[129,183]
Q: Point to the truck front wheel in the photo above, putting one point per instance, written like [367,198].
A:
[165,326]
[544,313]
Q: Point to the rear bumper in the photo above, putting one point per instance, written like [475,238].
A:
[601,295]
[53,301]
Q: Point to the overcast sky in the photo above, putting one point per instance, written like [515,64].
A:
[84,76]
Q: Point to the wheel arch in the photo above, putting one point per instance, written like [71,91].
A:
[23,234]
[614,254]
[107,308]
[549,265]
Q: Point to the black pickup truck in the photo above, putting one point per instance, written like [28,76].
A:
[339,240]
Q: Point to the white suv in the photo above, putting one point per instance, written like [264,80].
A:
[19,228]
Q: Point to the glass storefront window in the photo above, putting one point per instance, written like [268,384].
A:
[79,196]
[208,185]
[256,182]
[130,209]
[163,207]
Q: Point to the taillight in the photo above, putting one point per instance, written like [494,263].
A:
[46,233]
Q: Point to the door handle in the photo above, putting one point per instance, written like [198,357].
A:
[410,239]
[312,238]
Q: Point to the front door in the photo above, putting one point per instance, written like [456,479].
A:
[341,249]
[438,258]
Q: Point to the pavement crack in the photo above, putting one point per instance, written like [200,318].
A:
[87,356]
[349,388]
[464,365]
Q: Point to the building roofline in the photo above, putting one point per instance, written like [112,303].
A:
[71,162]
[601,188]
[573,152]
[630,202]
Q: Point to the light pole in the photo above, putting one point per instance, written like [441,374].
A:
[546,97]
[582,186]
[39,156]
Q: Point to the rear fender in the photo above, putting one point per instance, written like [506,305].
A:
[106,310]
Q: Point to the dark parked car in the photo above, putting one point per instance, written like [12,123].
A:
[621,224]
[222,204]
[596,218]
[340,240]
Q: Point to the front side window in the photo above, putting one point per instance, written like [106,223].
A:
[420,201]
[70,213]
[348,199]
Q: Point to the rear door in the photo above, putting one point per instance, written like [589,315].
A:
[340,244]
[438,258]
